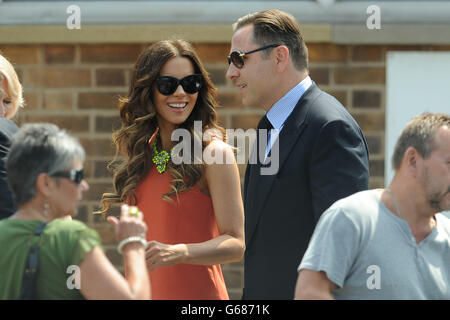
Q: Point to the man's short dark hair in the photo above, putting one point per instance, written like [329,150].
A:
[420,134]
[277,27]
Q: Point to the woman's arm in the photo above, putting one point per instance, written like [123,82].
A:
[101,280]
[225,191]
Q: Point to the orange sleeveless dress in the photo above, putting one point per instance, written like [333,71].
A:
[191,220]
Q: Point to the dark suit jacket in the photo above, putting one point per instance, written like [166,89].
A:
[7,129]
[323,158]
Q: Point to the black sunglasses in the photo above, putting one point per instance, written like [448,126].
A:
[73,175]
[237,57]
[167,85]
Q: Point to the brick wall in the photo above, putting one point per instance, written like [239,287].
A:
[77,87]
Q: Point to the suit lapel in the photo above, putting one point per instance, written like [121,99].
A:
[257,190]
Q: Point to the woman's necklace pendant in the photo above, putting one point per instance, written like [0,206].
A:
[160,159]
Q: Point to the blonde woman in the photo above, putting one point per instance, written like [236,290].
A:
[10,90]
[10,101]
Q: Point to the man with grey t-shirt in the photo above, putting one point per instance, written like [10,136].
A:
[389,243]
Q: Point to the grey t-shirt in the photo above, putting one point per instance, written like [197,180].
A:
[370,253]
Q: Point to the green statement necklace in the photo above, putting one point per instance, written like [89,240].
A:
[160,159]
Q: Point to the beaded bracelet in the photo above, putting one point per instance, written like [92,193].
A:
[131,239]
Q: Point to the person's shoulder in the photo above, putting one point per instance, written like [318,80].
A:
[326,108]
[360,207]
[7,130]
[7,127]
[218,152]
[218,144]
[67,226]
[71,231]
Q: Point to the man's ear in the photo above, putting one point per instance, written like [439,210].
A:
[44,184]
[412,160]
[282,58]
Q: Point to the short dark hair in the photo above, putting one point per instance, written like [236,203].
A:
[420,134]
[277,27]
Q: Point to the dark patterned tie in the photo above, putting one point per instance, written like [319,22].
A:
[264,124]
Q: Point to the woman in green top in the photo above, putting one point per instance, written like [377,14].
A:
[45,172]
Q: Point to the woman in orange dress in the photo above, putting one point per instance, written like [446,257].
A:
[193,207]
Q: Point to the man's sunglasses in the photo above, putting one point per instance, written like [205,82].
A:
[167,85]
[73,175]
[237,57]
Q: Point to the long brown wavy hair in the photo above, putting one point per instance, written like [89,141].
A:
[133,158]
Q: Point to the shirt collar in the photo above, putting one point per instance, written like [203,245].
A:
[281,110]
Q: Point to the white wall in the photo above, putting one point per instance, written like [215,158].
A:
[416,82]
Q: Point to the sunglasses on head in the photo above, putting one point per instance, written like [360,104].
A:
[237,57]
[73,175]
[167,85]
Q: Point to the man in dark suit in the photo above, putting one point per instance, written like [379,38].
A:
[321,152]
[7,129]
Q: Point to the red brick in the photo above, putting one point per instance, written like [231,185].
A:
[341,96]
[101,218]
[106,233]
[72,123]
[88,169]
[107,124]
[323,52]
[98,147]
[32,100]
[82,214]
[374,144]
[440,48]
[217,76]
[96,190]
[21,54]
[230,99]
[110,77]
[59,54]
[376,168]
[367,53]
[221,118]
[320,75]
[101,169]
[376,183]
[245,121]
[58,77]
[58,100]
[366,99]
[398,47]
[98,100]
[371,122]
[19,74]
[110,53]
[213,52]
[359,75]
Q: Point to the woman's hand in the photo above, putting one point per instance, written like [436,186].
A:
[101,280]
[159,254]
[129,225]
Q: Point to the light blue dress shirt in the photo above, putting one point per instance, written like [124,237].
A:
[281,110]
